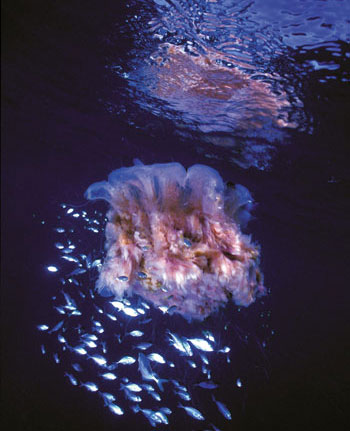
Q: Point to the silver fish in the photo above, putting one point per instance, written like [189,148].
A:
[42,327]
[91,344]
[156,357]
[61,339]
[108,398]
[72,379]
[132,396]
[143,346]
[209,335]
[156,396]
[165,410]
[77,367]
[163,419]
[126,360]
[78,271]
[201,344]
[90,386]
[147,387]
[207,385]
[130,312]
[136,333]
[223,409]
[146,371]
[109,376]
[180,344]
[57,327]
[183,395]
[60,310]
[100,360]
[147,413]
[133,387]
[191,411]
[115,409]
[80,350]
[90,336]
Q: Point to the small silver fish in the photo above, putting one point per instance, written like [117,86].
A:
[61,339]
[201,344]
[130,312]
[133,387]
[60,310]
[90,386]
[136,333]
[147,387]
[209,335]
[123,278]
[72,379]
[90,336]
[57,327]
[156,357]
[115,409]
[109,376]
[126,360]
[42,327]
[165,410]
[207,385]
[90,344]
[162,417]
[143,346]
[77,367]
[108,398]
[100,360]
[80,350]
[183,395]
[223,409]
[180,344]
[78,271]
[132,396]
[147,413]
[156,396]
[187,242]
[194,413]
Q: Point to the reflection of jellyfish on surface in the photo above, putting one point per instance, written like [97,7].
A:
[173,237]
[202,85]
[138,354]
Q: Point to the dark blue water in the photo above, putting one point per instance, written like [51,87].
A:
[81,97]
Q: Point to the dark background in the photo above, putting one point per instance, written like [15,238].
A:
[57,139]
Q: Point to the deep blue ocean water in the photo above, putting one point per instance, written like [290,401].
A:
[79,100]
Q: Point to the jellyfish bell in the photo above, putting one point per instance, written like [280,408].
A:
[173,237]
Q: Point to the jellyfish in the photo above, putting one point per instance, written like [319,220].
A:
[173,237]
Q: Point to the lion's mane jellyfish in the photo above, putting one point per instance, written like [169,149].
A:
[173,237]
